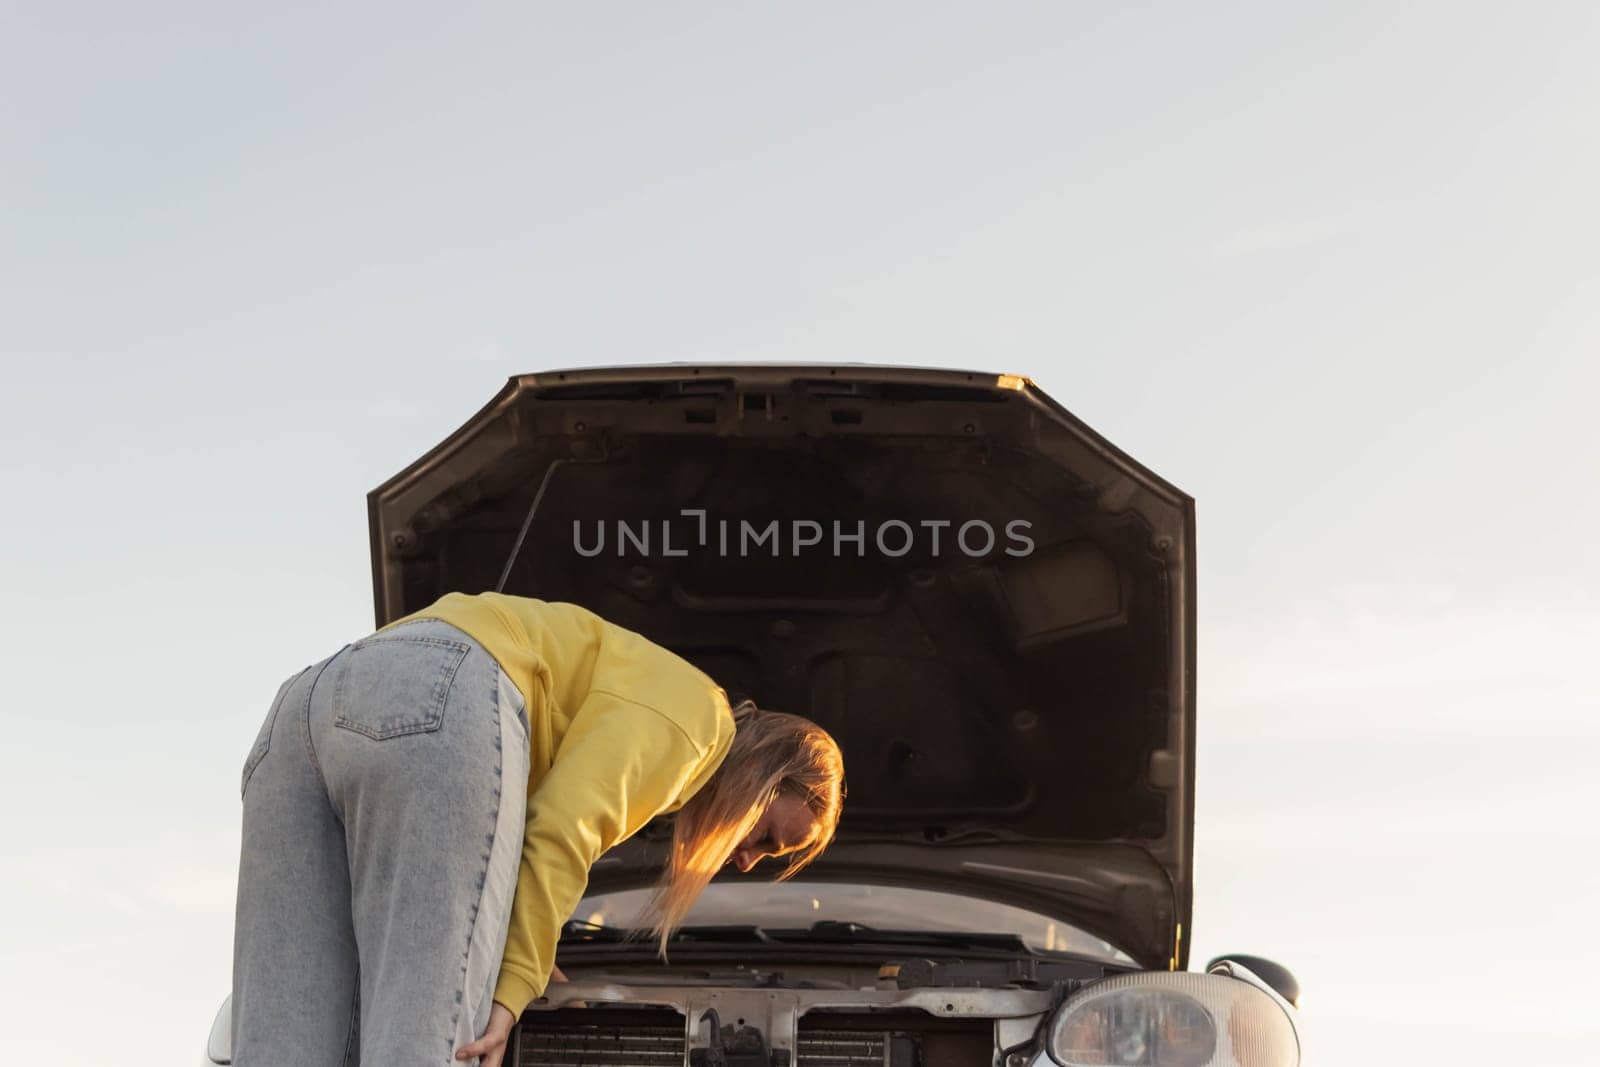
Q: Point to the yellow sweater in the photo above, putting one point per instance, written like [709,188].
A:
[621,730]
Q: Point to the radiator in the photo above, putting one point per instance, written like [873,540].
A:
[842,1048]
[657,1040]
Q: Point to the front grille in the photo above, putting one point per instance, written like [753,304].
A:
[892,1039]
[841,1048]
[641,1039]
[655,1037]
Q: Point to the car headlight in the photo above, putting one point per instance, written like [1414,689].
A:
[1173,1020]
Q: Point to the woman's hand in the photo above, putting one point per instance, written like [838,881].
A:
[492,1045]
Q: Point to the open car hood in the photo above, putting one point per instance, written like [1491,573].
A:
[990,606]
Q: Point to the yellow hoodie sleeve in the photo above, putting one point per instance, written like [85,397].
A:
[620,764]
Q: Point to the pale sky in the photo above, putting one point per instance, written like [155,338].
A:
[1334,272]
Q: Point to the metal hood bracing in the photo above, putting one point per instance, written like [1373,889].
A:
[990,606]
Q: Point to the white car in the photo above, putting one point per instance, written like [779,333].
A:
[988,604]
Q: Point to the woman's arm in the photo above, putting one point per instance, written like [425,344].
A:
[620,764]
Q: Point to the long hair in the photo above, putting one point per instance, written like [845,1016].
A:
[771,752]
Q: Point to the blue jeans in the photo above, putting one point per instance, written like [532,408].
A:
[383,826]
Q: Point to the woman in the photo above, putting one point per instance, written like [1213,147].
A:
[422,808]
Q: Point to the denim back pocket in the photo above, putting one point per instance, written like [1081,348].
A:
[391,685]
[258,751]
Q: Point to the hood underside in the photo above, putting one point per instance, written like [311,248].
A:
[988,605]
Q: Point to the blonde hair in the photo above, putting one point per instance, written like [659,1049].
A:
[771,752]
